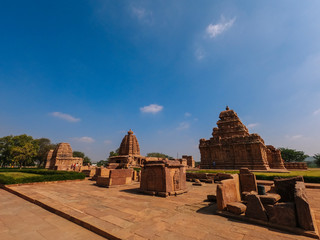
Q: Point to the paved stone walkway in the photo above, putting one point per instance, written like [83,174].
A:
[125,213]
[22,220]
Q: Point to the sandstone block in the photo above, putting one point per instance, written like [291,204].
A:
[227,193]
[286,187]
[212,198]
[269,198]
[248,182]
[255,208]
[282,213]
[236,208]
[305,219]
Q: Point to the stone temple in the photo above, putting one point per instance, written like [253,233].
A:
[61,158]
[232,147]
[129,153]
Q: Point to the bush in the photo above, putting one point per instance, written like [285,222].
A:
[45,176]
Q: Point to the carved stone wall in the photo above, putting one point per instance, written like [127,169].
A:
[233,147]
[62,158]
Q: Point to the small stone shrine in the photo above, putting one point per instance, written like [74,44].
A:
[129,153]
[232,147]
[163,178]
[62,159]
[111,177]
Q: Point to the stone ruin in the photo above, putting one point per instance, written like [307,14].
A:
[284,206]
[233,147]
[163,178]
[110,177]
[190,161]
[61,158]
[129,153]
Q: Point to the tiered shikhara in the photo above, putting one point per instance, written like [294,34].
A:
[233,147]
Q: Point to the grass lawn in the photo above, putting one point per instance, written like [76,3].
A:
[17,175]
[310,175]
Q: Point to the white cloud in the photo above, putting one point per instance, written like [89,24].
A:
[199,53]
[144,15]
[152,108]
[84,139]
[65,116]
[187,114]
[183,126]
[252,125]
[107,142]
[295,137]
[214,30]
[316,112]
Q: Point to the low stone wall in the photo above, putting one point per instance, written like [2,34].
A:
[296,165]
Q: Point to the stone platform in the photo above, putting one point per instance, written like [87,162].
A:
[124,213]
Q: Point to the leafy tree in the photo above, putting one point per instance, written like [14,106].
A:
[23,150]
[102,163]
[86,159]
[6,144]
[44,146]
[158,155]
[317,159]
[292,155]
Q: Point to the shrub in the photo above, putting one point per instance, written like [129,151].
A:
[45,176]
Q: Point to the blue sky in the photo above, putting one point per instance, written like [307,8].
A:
[85,72]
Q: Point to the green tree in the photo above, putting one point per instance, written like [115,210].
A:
[6,143]
[158,155]
[24,150]
[317,159]
[44,146]
[102,163]
[292,155]
[86,159]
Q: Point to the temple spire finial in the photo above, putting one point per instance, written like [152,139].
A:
[227,107]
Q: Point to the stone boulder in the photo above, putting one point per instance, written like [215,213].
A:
[305,218]
[285,187]
[255,209]
[269,198]
[236,208]
[282,213]
[227,192]
[248,180]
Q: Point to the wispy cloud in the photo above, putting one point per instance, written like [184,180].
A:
[142,14]
[107,142]
[294,137]
[316,112]
[214,30]
[199,54]
[252,125]
[84,139]
[183,126]
[187,114]
[64,116]
[152,108]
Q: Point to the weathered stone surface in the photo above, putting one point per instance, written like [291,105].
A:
[296,165]
[304,215]
[129,153]
[285,187]
[255,208]
[190,161]
[165,177]
[233,147]
[222,176]
[115,177]
[226,193]
[49,156]
[269,198]
[236,208]
[89,172]
[282,213]
[197,182]
[62,159]
[248,181]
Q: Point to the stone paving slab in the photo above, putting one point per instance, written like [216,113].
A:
[21,220]
[126,214]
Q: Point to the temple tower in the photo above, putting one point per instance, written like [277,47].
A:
[129,145]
